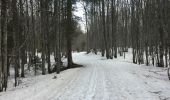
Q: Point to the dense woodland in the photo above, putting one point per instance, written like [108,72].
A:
[113,26]
[143,25]
[29,27]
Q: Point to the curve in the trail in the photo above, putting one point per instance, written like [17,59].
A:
[99,79]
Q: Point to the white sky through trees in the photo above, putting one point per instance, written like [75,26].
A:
[80,13]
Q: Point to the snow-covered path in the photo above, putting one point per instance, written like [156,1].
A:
[99,79]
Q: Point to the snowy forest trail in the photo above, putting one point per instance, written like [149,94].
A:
[99,79]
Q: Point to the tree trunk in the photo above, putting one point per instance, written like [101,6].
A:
[69,33]
[42,3]
[3,66]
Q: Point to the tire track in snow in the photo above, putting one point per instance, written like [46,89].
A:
[64,87]
[67,91]
[90,92]
[127,85]
[53,87]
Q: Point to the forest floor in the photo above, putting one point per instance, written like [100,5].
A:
[99,79]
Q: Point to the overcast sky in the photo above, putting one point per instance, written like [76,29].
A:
[80,13]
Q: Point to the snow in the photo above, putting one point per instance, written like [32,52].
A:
[99,79]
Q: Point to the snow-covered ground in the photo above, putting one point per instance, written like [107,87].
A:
[99,79]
